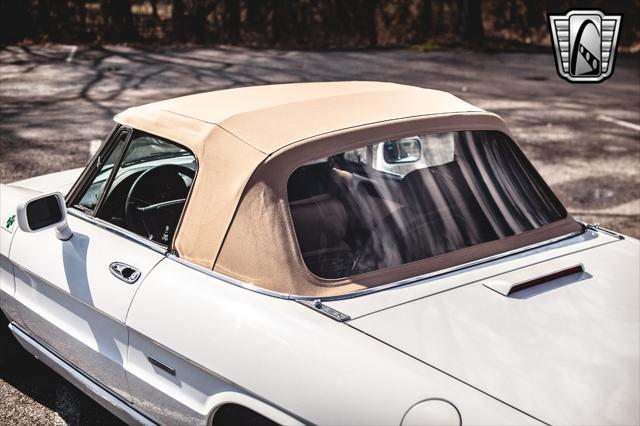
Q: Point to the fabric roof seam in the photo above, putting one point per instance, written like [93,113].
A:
[207,138]
[322,134]
[336,97]
[211,262]
[330,133]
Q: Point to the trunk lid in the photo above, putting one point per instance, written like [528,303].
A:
[565,350]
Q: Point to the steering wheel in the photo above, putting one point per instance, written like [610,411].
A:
[155,201]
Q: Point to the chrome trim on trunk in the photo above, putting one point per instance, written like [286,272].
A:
[254,288]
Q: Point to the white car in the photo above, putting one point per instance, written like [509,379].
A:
[321,253]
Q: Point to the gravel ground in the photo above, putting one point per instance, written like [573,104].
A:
[55,100]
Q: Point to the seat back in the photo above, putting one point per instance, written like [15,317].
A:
[321,225]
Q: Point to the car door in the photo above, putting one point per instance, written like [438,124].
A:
[75,295]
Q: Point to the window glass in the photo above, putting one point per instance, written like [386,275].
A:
[149,189]
[91,197]
[402,156]
[405,200]
[407,150]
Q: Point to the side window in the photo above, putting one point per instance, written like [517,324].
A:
[147,191]
[90,199]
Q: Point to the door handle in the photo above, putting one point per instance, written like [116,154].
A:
[124,272]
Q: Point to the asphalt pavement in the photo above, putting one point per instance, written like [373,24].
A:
[57,102]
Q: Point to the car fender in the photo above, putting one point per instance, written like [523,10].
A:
[10,197]
[211,336]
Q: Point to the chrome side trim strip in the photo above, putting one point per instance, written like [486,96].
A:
[116,230]
[254,288]
[453,269]
[94,390]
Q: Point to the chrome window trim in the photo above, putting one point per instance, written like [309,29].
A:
[128,131]
[92,169]
[457,268]
[80,183]
[230,280]
[128,235]
[364,292]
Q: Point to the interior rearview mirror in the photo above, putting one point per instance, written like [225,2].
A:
[44,212]
[402,151]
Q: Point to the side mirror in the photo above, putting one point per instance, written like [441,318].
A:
[44,212]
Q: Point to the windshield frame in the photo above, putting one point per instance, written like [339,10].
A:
[93,169]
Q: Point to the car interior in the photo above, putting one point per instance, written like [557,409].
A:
[147,187]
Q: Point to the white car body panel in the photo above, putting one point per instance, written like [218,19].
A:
[80,380]
[10,197]
[414,289]
[52,182]
[73,302]
[565,352]
[7,289]
[234,333]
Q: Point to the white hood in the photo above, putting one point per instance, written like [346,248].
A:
[565,352]
[59,181]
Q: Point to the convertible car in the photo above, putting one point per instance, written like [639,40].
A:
[321,253]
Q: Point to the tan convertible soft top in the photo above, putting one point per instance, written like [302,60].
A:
[248,141]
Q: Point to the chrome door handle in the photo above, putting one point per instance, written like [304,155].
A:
[124,272]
